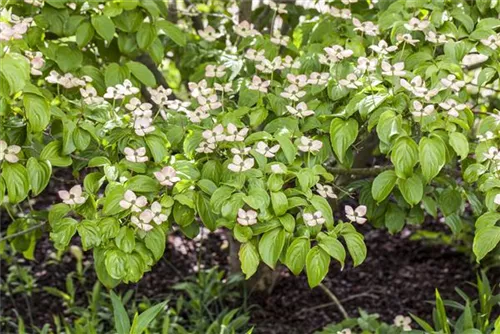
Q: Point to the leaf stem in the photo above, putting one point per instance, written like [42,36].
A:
[335,300]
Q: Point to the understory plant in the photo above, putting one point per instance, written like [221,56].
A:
[253,120]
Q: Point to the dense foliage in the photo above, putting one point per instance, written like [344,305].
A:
[259,129]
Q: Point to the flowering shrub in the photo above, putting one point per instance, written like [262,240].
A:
[214,121]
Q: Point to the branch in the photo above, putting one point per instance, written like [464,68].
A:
[370,171]
[146,60]
[32,228]
[335,300]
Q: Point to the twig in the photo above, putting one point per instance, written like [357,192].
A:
[335,300]
[370,171]
[316,307]
[32,228]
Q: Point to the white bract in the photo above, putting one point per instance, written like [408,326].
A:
[73,196]
[138,155]
[132,202]
[313,219]
[247,218]
[9,152]
[167,176]
[356,215]
[403,322]
[240,165]
[307,144]
[265,150]
[143,220]
[325,191]
[300,111]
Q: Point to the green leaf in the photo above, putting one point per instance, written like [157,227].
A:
[112,201]
[116,264]
[288,148]
[122,321]
[156,240]
[307,178]
[342,135]
[104,27]
[183,215]
[157,145]
[334,248]
[143,183]
[432,156]
[279,202]
[242,233]
[16,181]
[257,198]
[141,323]
[296,254]
[317,263]
[84,34]
[52,153]
[208,218]
[394,218]
[404,156]
[68,58]
[125,240]
[355,246]
[460,144]
[146,35]
[142,73]
[89,234]
[115,74]
[270,246]
[450,200]
[39,173]
[412,189]
[249,258]
[173,31]
[16,70]
[383,185]
[37,112]
[322,205]
[62,232]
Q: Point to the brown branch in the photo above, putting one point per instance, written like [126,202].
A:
[146,60]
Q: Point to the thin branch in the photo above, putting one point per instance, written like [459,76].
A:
[335,300]
[370,171]
[28,230]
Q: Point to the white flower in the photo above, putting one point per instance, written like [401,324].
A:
[416,25]
[205,147]
[157,214]
[225,88]
[345,331]
[435,38]
[255,55]
[309,145]
[131,201]
[247,218]
[351,81]
[406,38]
[143,126]
[199,89]
[143,221]
[313,219]
[160,95]
[212,71]
[452,82]
[209,34]
[368,27]
[452,107]
[138,155]
[347,2]
[90,95]
[245,29]
[299,80]
[278,39]
[240,165]
[178,105]
[211,102]
[167,176]
[300,110]
[492,154]
[265,150]
[73,196]
[214,135]
[316,78]
[34,3]
[393,70]
[53,77]
[9,153]
[416,86]
[293,93]
[488,135]
[259,85]
[267,66]
[36,62]
[233,134]
[403,322]
[493,41]
[383,48]
[277,169]
[325,191]
[241,151]
[279,8]
[356,215]
[421,110]
[198,115]
[497,199]
[289,62]
[334,54]
[341,13]
[126,88]
[367,64]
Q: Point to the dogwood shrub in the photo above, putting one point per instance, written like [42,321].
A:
[189,117]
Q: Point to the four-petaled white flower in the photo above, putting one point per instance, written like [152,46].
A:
[492,154]
[299,80]
[416,25]
[213,71]
[420,110]
[452,107]
[334,54]
[279,8]
[167,176]
[497,199]
[160,95]
[351,81]
[406,38]
[416,86]
[367,28]
[245,29]
[383,48]
[255,55]
[265,150]
[143,126]
[307,144]
[367,64]
[247,218]
[325,191]
[143,220]
[403,322]
[452,82]
[435,38]
[199,114]
[132,202]
[240,165]
[233,134]
[138,155]
[36,61]
[289,62]
[259,85]
[316,78]
[293,93]
[279,39]
[241,151]
[356,215]
[205,147]
[199,89]
[214,135]
[73,196]
[492,41]
[209,34]
[396,69]
[9,152]
[157,213]
[300,110]
[90,95]
[313,219]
